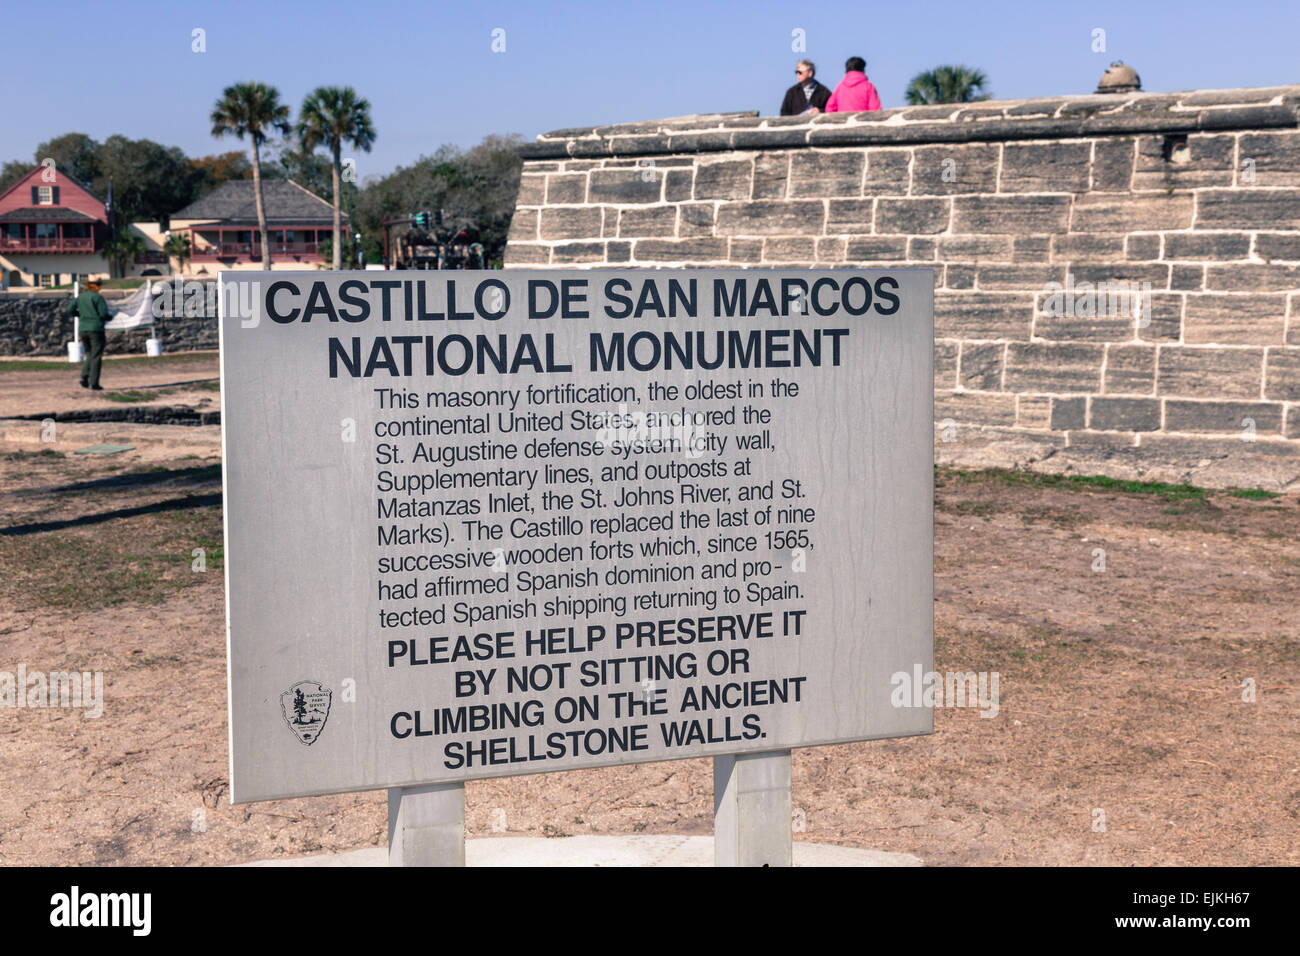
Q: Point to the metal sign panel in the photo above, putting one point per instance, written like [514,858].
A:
[482,524]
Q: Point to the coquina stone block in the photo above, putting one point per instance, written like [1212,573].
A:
[1064,166]
[1210,372]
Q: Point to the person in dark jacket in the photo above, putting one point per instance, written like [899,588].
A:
[807,95]
[92,313]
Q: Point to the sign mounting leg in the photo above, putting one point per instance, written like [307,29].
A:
[751,810]
[426,825]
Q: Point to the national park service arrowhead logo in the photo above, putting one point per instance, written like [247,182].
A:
[306,706]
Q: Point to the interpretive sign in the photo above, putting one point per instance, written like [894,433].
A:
[489,523]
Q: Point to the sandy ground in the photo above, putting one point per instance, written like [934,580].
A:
[41,386]
[1121,690]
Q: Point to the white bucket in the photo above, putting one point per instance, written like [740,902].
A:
[76,353]
[153,347]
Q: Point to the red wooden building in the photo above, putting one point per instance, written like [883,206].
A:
[52,231]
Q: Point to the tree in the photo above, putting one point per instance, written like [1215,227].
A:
[122,248]
[178,247]
[150,181]
[252,110]
[489,186]
[74,154]
[475,188]
[948,84]
[209,172]
[331,116]
[309,170]
[13,171]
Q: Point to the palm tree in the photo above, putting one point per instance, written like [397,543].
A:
[948,84]
[252,110]
[178,247]
[331,115]
[122,248]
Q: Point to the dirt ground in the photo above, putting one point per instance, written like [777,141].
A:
[1121,689]
[42,386]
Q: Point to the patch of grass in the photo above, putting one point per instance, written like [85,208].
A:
[1086,482]
[213,386]
[1254,494]
[80,572]
[142,559]
[47,364]
[132,395]
[28,455]
[1062,519]
[1197,526]
[150,660]
[214,553]
[1204,507]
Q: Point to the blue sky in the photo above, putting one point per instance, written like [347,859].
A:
[432,77]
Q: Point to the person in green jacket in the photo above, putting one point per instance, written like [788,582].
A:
[93,312]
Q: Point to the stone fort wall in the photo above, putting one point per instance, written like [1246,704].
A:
[1021,208]
[34,324]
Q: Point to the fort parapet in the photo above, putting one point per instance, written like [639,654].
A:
[1184,208]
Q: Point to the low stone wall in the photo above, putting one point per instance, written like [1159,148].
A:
[35,324]
[1188,201]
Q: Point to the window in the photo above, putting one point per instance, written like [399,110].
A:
[46,194]
[46,280]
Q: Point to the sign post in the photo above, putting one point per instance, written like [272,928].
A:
[426,825]
[751,810]
[482,524]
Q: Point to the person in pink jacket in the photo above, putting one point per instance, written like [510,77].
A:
[855,93]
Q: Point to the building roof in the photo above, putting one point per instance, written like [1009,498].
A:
[45,214]
[63,178]
[285,202]
[75,194]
